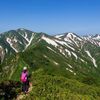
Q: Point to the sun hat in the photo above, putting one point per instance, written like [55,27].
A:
[25,68]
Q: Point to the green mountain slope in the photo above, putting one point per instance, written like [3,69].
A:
[40,56]
[48,87]
[61,67]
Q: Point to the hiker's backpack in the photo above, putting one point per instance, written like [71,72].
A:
[23,77]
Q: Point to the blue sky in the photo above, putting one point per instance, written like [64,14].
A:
[51,16]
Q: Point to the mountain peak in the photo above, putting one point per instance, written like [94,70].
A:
[71,35]
[96,37]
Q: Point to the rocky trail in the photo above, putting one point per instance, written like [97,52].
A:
[22,95]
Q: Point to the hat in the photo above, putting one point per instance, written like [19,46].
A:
[25,68]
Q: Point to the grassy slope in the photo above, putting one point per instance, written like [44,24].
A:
[39,56]
[51,81]
[48,87]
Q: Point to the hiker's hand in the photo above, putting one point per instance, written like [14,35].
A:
[30,83]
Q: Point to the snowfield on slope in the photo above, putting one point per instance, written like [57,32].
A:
[93,60]
[11,45]
[49,41]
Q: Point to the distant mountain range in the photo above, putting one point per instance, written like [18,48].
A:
[66,54]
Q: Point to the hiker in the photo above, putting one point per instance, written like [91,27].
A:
[24,80]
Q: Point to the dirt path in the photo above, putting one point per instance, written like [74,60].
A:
[21,96]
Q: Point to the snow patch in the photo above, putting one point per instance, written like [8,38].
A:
[59,36]
[64,43]
[99,43]
[68,52]
[62,51]
[45,56]
[11,45]
[74,73]
[74,55]
[25,37]
[73,36]
[50,49]
[71,71]
[49,41]
[67,40]
[29,42]
[93,60]
[82,60]
[76,43]
[97,37]
[0,46]
[55,63]
[15,40]
[70,66]
[20,42]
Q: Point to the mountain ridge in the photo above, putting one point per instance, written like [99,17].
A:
[66,58]
[80,50]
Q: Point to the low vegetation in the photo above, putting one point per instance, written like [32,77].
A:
[48,87]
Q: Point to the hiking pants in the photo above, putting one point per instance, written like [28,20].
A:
[25,86]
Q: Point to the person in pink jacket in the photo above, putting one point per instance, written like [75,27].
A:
[24,80]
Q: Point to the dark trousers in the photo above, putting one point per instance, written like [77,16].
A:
[25,86]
